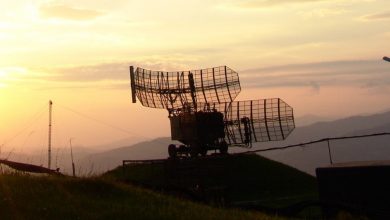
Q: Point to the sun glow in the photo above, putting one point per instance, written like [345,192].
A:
[315,55]
[2,74]
[3,77]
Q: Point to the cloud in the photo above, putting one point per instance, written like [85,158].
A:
[378,16]
[322,12]
[113,75]
[67,12]
[91,73]
[315,87]
[360,73]
[270,3]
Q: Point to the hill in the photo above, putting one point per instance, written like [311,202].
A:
[310,119]
[236,179]
[29,197]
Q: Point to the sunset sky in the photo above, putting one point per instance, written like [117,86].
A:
[323,57]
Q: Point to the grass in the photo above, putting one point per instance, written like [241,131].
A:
[239,178]
[54,197]
[110,196]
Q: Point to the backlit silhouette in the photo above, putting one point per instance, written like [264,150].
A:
[203,113]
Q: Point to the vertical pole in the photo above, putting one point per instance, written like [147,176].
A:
[215,86]
[227,85]
[132,85]
[280,120]
[330,153]
[71,156]
[265,118]
[192,88]
[49,141]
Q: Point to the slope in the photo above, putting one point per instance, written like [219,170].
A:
[27,197]
[235,179]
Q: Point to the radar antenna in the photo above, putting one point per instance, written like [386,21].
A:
[203,112]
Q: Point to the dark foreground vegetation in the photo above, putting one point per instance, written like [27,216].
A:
[239,179]
[244,181]
[51,197]
[229,187]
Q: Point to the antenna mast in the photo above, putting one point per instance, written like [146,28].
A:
[49,141]
[71,155]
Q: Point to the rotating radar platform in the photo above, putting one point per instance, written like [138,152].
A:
[203,112]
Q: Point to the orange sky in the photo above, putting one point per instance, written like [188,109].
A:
[322,57]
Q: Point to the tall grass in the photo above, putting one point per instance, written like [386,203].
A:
[52,197]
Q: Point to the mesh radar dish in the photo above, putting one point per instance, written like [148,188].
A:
[258,121]
[203,112]
[173,90]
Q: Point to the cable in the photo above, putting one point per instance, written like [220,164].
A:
[313,142]
[36,116]
[105,123]
[267,149]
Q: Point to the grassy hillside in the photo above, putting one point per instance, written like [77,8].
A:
[29,197]
[237,179]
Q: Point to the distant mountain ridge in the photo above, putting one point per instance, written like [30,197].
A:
[310,119]
[341,126]
[103,161]
[307,158]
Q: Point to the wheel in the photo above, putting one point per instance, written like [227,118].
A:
[194,150]
[223,147]
[172,152]
[203,151]
[182,150]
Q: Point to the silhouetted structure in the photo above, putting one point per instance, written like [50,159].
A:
[203,113]
[31,168]
[358,187]
[49,135]
[386,59]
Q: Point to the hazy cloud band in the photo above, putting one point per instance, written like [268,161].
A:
[67,12]
[362,73]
